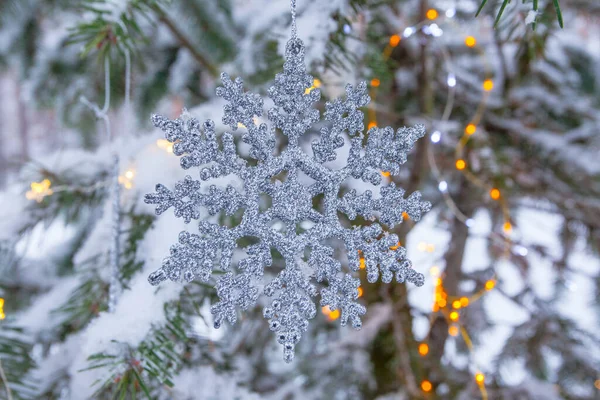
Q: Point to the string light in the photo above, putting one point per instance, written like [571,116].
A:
[456,304]
[39,190]
[489,285]
[408,32]
[436,136]
[488,85]
[127,179]
[470,41]
[361,263]
[434,271]
[443,186]
[464,301]
[385,173]
[470,129]
[454,316]
[426,386]
[460,164]
[432,13]
[507,227]
[165,145]
[423,349]
[394,40]
[372,124]
[375,82]
[597,384]
[451,12]
[479,378]
[495,194]
[451,80]
[453,330]
[2,315]
[360,291]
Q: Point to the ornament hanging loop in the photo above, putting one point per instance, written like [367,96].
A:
[293,8]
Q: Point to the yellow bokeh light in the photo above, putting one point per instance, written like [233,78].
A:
[430,248]
[470,129]
[422,246]
[2,315]
[432,13]
[488,85]
[438,282]
[460,164]
[453,330]
[360,291]
[375,82]
[454,316]
[456,304]
[597,384]
[394,40]
[489,285]
[335,314]
[434,271]
[39,190]
[464,301]
[495,194]
[405,215]
[396,246]
[129,174]
[507,227]
[362,263]
[479,377]
[317,83]
[426,386]
[385,173]
[423,349]
[372,124]
[442,303]
[470,41]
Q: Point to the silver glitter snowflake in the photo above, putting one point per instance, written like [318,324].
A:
[195,256]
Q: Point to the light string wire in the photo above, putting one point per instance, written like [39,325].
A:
[449,306]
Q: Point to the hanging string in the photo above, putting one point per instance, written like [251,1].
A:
[293,8]
[114,284]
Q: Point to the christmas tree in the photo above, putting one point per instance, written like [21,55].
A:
[508,96]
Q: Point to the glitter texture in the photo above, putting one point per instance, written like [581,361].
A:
[292,292]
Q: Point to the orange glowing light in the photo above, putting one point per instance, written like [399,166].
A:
[456,304]
[385,173]
[479,377]
[488,85]
[362,263]
[394,40]
[375,82]
[489,285]
[426,386]
[507,227]
[432,13]
[454,316]
[453,330]
[470,129]
[495,194]
[423,349]
[335,314]
[464,301]
[460,164]
[372,124]
[470,41]
[442,303]
[360,291]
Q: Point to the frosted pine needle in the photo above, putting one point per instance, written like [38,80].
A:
[196,255]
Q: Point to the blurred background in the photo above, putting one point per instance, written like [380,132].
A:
[510,162]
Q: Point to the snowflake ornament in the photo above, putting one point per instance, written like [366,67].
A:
[195,255]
